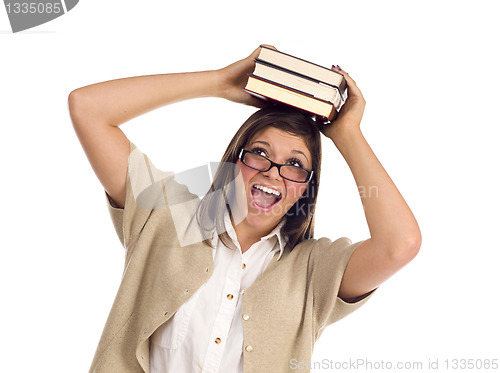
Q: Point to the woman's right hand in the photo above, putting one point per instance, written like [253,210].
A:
[233,78]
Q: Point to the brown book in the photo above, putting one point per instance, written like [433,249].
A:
[303,67]
[274,91]
[298,82]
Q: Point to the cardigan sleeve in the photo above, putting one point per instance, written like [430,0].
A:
[144,193]
[328,262]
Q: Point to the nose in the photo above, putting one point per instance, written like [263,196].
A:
[273,173]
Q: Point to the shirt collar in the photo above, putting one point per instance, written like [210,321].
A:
[282,240]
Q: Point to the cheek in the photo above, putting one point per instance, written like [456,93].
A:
[246,172]
[295,190]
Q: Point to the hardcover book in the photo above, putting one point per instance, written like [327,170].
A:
[303,67]
[299,83]
[268,90]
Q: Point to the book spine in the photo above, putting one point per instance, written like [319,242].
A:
[266,63]
[343,83]
[296,58]
[288,88]
[319,118]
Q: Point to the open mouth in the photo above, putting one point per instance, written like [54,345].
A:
[264,198]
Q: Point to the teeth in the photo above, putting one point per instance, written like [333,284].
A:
[268,190]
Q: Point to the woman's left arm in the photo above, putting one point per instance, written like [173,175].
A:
[395,236]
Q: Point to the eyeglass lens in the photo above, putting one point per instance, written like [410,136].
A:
[287,171]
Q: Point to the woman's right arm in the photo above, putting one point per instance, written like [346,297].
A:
[98,109]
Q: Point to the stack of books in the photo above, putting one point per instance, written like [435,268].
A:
[293,81]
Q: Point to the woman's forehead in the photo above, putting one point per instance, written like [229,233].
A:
[277,137]
[280,141]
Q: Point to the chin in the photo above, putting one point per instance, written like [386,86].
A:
[259,217]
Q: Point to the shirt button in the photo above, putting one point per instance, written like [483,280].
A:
[243,291]
[230,296]
[243,266]
[249,348]
[217,340]
[246,317]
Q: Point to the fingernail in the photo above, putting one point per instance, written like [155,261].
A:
[333,66]
[339,68]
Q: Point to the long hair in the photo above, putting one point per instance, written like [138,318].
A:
[299,224]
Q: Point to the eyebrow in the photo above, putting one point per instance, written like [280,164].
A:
[268,145]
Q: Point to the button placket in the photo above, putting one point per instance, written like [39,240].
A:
[224,316]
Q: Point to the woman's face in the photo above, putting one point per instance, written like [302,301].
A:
[264,209]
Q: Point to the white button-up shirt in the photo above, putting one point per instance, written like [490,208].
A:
[206,334]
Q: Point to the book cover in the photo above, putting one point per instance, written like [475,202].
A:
[273,91]
[298,82]
[303,67]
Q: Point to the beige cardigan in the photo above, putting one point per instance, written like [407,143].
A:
[289,305]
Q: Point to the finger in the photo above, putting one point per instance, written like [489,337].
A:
[255,53]
[269,46]
[257,102]
[351,84]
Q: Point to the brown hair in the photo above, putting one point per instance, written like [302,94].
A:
[299,224]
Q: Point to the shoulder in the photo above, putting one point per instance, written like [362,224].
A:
[324,258]
[321,252]
[154,188]
[317,245]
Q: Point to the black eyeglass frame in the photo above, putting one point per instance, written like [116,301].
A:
[278,165]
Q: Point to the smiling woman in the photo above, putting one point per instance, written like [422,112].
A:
[255,290]
[272,134]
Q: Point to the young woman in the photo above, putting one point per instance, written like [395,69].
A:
[234,282]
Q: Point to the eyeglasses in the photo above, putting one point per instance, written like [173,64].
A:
[287,171]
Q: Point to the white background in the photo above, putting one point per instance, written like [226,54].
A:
[429,73]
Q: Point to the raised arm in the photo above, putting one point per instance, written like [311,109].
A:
[395,235]
[98,109]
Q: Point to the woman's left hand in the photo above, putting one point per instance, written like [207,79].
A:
[351,113]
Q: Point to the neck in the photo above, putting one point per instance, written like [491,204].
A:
[248,235]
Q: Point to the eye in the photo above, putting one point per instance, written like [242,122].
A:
[296,162]
[260,151]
